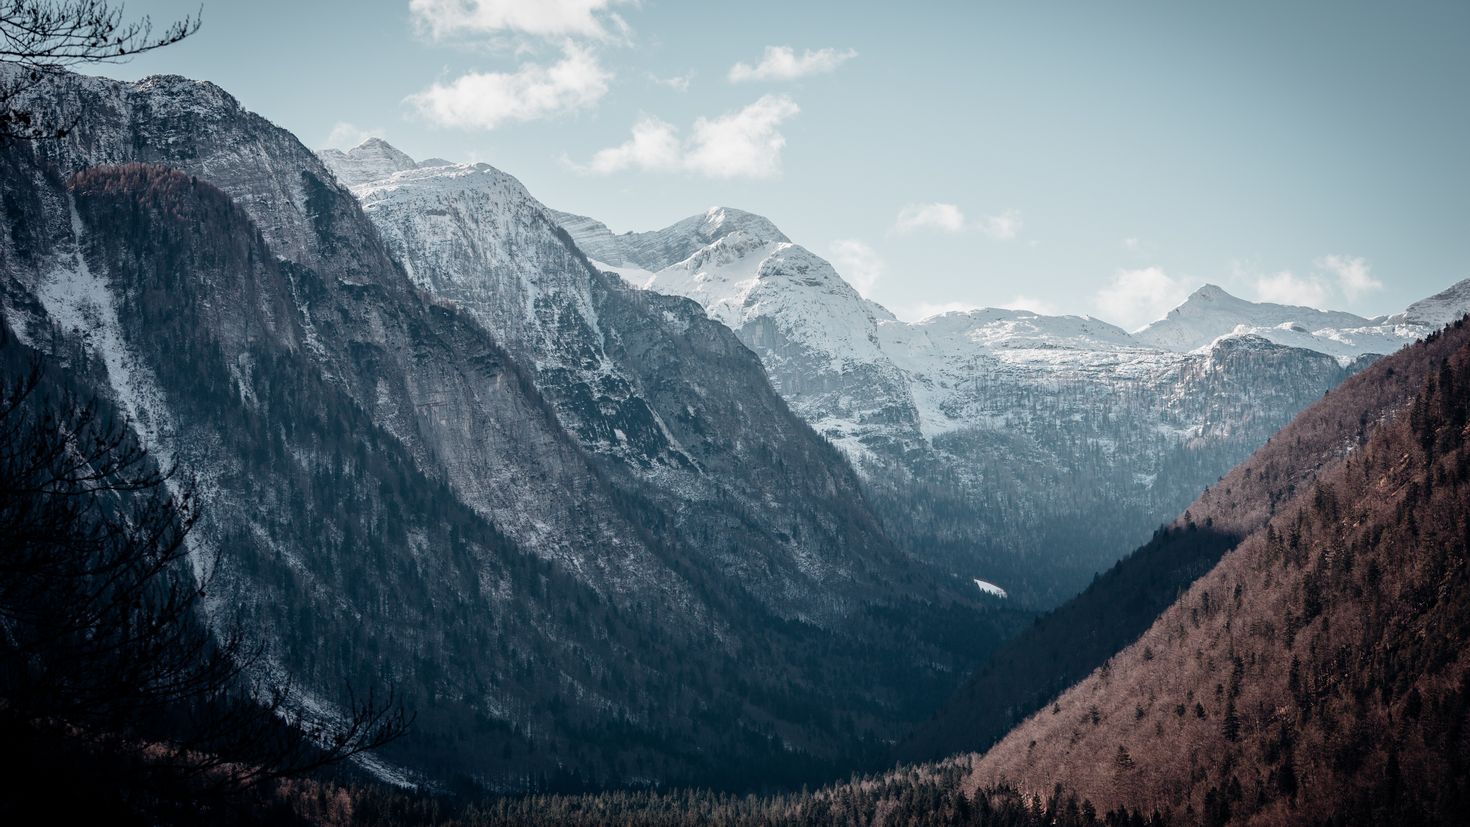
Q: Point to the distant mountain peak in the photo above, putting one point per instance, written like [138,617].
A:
[721,221]
[658,249]
[1210,313]
[375,144]
[1446,306]
[1211,293]
[371,160]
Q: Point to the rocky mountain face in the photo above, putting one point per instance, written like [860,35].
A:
[1319,671]
[1445,307]
[571,521]
[373,159]
[646,384]
[1027,450]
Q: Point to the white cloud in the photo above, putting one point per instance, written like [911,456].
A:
[1131,244]
[1038,306]
[654,146]
[486,100]
[346,135]
[746,143]
[1003,227]
[858,263]
[678,83]
[1353,275]
[945,217]
[783,63]
[1286,287]
[442,19]
[1133,298]
[950,218]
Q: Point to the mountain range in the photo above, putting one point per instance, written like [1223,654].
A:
[1027,450]
[553,512]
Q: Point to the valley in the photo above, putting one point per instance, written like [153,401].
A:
[349,477]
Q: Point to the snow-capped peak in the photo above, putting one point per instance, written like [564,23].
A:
[720,221]
[1444,307]
[999,327]
[370,160]
[1210,312]
[658,249]
[1211,293]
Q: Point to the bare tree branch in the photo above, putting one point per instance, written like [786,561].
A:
[39,38]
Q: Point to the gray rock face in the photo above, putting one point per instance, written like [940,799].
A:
[472,236]
[661,248]
[368,161]
[570,520]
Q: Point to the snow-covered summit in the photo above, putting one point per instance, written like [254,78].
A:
[1210,313]
[176,94]
[1444,307]
[999,327]
[653,251]
[370,160]
[872,382]
[418,182]
[743,279]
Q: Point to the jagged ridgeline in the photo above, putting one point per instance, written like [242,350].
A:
[1025,449]
[570,521]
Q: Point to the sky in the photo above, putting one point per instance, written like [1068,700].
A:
[1068,157]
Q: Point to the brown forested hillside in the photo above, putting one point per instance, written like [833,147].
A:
[1319,671]
[1065,646]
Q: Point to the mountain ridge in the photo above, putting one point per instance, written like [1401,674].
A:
[948,398]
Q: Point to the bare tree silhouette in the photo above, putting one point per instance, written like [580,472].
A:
[41,37]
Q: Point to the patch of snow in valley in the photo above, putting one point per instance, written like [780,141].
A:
[990,588]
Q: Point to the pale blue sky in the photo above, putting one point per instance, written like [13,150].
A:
[1101,158]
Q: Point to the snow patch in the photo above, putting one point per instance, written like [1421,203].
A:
[990,588]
